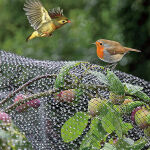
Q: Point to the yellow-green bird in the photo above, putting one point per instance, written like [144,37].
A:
[44,22]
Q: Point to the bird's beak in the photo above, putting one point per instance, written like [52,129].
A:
[69,21]
[94,43]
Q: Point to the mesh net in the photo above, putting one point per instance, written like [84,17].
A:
[71,105]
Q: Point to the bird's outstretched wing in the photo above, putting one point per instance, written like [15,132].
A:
[36,13]
[55,12]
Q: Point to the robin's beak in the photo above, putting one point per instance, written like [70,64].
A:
[94,43]
[69,21]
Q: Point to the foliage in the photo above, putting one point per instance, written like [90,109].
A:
[74,127]
[108,121]
[11,138]
[106,124]
[63,72]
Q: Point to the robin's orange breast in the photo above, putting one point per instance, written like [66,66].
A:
[100,52]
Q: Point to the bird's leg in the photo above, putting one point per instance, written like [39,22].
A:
[46,34]
[111,66]
[114,66]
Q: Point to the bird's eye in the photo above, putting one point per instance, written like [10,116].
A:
[63,21]
[101,43]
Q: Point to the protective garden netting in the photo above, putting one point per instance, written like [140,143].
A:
[49,105]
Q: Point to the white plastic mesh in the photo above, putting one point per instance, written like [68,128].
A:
[42,125]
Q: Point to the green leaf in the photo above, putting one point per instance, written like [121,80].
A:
[136,90]
[4,134]
[96,134]
[74,126]
[148,118]
[97,129]
[112,121]
[63,72]
[90,142]
[107,123]
[138,145]
[128,144]
[117,124]
[86,142]
[143,96]
[123,143]
[118,128]
[100,76]
[95,144]
[115,84]
[126,127]
[117,108]
[132,89]
[129,141]
[86,148]
[78,94]
[127,108]
[104,109]
[108,146]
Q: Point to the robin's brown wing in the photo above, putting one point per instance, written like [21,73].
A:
[116,50]
[36,13]
[55,12]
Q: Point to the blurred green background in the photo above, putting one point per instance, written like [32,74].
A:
[126,21]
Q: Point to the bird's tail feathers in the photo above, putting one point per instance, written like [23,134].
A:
[131,49]
[28,38]
[32,36]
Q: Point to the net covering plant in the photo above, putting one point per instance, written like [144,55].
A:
[50,105]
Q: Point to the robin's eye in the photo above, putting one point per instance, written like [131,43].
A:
[101,43]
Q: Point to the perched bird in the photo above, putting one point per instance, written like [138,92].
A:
[44,22]
[111,51]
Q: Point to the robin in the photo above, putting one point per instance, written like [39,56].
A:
[44,22]
[111,51]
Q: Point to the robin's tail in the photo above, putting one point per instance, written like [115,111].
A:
[32,36]
[131,49]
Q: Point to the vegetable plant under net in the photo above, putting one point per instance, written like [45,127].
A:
[49,105]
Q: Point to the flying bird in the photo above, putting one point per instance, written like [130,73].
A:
[43,22]
[111,51]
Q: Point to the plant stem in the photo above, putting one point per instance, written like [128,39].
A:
[101,87]
[49,92]
[25,100]
[25,85]
[43,94]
